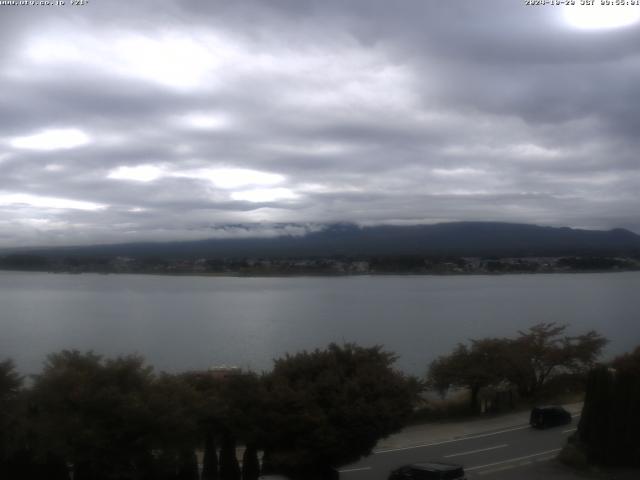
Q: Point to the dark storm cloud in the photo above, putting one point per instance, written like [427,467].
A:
[163,120]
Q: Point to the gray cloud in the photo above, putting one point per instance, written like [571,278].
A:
[190,115]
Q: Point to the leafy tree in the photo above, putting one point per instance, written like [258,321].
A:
[173,403]
[475,367]
[628,362]
[527,362]
[174,431]
[329,407]
[96,414]
[543,350]
[243,405]
[10,389]
[10,381]
[209,413]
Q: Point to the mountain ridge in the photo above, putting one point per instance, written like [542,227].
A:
[345,239]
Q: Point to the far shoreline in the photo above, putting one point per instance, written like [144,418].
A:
[321,275]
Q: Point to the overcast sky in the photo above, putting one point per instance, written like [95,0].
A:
[161,120]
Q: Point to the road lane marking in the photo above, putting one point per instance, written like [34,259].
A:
[496,470]
[517,459]
[515,465]
[483,435]
[545,459]
[499,469]
[569,430]
[360,469]
[475,451]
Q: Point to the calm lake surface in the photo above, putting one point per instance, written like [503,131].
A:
[181,323]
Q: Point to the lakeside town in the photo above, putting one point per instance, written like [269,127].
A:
[338,265]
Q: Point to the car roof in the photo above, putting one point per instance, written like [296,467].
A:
[434,466]
[549,407]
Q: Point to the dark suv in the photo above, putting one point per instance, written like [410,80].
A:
[544,417]
[428,471]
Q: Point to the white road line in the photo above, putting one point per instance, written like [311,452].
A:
[361,469]
[517,459]
[569,430]
[545,459]
[475,451]
[451,441]
[496,470]
[511,467]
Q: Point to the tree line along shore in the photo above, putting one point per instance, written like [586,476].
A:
[336,265]
[86,417]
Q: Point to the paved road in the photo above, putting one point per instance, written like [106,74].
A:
[515,452]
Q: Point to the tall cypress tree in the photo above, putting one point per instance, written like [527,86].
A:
[188,465]
[250,463]
[610,420]
[229,468]
[596,414]
[267,467]
[166,466]
[210,459]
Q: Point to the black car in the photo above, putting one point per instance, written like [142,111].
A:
[551,416]
[428,471]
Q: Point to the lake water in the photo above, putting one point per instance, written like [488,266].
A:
[181,323]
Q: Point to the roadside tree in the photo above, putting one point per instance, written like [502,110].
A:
[608,430]
[173,403]
[243,405]
[330,407]
[544,350]
[10,418]
[473,367]
[230,406]
[527,363]
[110,418]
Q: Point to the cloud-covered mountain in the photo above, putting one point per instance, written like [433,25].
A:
[459,238]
